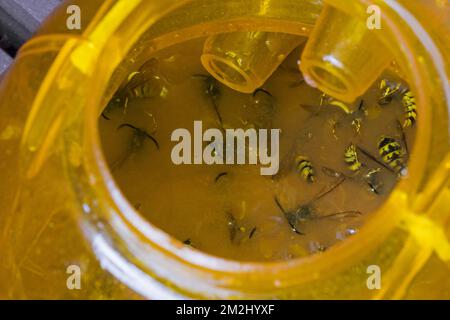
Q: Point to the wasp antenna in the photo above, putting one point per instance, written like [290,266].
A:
[263,91]
[140,131]
[152,139]
[220,175]
[279,205]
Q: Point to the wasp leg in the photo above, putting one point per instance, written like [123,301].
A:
[371,157]
[286,214]
[140,131]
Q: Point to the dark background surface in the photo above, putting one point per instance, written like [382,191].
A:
[19,19]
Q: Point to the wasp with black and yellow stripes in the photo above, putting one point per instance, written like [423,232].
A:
[351,158]
[391,89]
[305,168]
[409,103]
[307,211]
[147,82]
[392,153]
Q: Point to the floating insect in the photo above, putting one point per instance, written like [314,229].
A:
[146,86]
[307,212]
[188,242]
[212,91]
[355,116]
[137,142]
[409,103]
[391,152]
[144,83]
[236,231]
[371,178]
[258,113]
[139,136]
[373,181]
[389,90]
[351,158]
[357,123]
[305,168]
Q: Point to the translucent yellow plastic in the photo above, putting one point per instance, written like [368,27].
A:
[60,206]
[245,60]
[343,57]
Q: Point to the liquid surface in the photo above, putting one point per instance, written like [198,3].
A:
[232,211]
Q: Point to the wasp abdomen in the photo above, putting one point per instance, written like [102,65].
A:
[305,168]
[351,158]
[391,152]
[409,103]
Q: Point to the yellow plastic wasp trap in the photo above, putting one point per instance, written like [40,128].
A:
[117,167]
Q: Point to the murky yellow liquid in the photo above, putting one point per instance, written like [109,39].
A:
[235,216]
